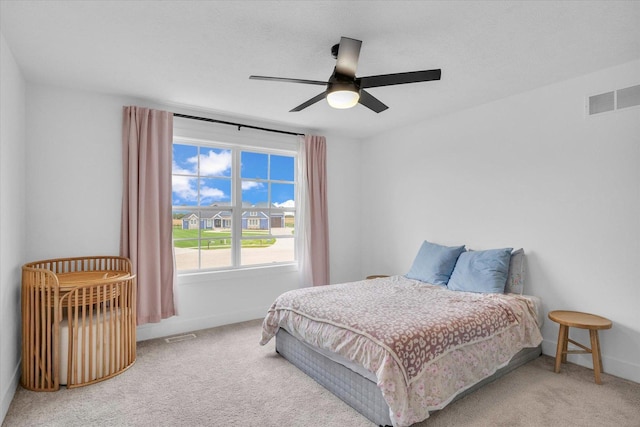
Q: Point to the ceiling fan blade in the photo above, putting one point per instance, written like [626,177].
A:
[348,54]
[309,102]
[399,78]
[371,102]
[284,79]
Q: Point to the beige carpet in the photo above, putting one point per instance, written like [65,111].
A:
[224,378]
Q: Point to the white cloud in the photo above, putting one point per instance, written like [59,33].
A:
[213,163]
[185,187]
[250,185]
[287,204]
[215,194]
[179,170]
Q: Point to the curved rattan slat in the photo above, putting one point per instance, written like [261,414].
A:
[95,298]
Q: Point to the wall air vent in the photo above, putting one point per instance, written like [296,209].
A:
[614,100]
[601,103]
[628,97]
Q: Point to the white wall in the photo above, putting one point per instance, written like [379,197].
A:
[74,178]
[74,186]
[12,220]
[343,189]
[527,171]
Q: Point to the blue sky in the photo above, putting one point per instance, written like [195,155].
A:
[215,176]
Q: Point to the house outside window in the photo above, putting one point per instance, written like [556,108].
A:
[233,206]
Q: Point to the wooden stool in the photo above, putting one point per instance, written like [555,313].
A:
[580,320]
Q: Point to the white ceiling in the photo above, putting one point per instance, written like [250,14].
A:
[200,53]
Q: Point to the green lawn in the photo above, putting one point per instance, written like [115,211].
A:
[218,239]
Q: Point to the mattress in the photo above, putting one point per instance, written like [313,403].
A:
[357,391]
[361,392]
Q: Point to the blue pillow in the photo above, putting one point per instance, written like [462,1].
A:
[481,271]
[434,263]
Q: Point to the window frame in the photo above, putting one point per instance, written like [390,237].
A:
[282,145]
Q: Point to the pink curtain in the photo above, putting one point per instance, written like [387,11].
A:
[317,228]
[145,233]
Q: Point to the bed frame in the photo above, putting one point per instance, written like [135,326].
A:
[359,392]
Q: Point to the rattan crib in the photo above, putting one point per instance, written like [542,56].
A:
[77,312]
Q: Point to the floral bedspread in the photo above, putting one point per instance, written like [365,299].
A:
[425,343]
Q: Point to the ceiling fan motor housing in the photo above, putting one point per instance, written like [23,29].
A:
[339,81]
[342,91]
[334,50]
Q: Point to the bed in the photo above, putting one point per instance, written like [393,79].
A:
[397,348]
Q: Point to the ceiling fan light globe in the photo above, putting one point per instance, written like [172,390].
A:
[343,99]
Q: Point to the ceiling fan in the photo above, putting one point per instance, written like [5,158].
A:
[344,89]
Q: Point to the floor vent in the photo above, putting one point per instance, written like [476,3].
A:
[614,100]
[180,338]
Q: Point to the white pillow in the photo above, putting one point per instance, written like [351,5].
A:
[515,277]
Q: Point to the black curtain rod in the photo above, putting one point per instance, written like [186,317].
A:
[239,125]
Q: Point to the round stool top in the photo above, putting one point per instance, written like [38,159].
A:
[577,319]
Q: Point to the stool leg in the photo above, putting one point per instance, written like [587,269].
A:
[565,344]
[599,352]
[562,336]
[595,353]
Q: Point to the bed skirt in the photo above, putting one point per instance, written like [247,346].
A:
[359,392]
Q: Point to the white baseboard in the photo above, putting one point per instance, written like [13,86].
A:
[10,391]
[181,324]
[619,368]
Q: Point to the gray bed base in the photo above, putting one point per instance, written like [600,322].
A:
[360,393]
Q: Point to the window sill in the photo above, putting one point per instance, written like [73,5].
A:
[240,273]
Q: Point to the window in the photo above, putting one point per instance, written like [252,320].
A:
[233,206]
